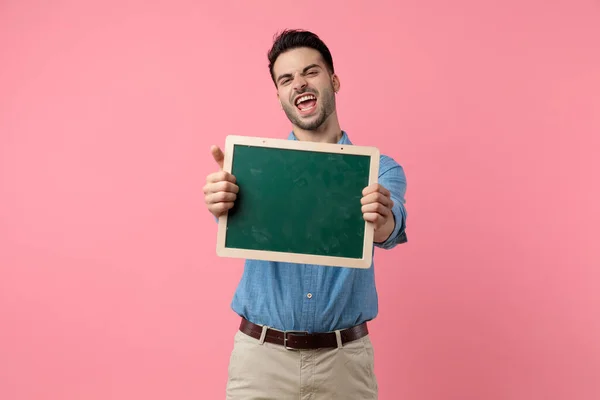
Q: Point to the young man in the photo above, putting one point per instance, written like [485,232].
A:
[303,332]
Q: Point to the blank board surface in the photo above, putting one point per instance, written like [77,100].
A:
[298,202]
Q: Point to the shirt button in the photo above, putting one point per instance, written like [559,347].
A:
[309,295]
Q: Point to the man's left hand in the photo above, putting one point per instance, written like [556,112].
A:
[377,208]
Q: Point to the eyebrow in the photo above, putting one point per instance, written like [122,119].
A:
[303,71]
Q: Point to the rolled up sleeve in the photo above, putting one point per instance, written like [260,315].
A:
[393,178]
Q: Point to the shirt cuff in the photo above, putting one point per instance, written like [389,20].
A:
[398,235]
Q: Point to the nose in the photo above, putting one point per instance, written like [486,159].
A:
[299,83]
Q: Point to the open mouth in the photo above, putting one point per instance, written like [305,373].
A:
[306,103]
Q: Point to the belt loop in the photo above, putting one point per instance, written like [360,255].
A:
[338,338]
[263,334]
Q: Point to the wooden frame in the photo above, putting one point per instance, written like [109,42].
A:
[364,262]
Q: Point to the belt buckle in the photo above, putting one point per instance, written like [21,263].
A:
[285,338]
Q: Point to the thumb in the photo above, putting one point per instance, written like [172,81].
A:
[217,155]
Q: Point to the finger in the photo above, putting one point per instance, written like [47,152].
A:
[220,197]
[222,186]
[377,208]
[375,218]
[375,187]
[217,155]
[377,197]
[220,176]
[370,189]
[220,208]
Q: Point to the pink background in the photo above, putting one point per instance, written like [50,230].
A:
[109,283]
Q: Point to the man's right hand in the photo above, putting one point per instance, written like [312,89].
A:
[220,190]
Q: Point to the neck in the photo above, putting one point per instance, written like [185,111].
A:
[329,132]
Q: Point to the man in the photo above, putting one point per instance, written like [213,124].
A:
[303,332]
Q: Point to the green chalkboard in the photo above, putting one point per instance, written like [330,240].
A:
[299,202]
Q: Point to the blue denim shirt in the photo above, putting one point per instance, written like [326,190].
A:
[316,298]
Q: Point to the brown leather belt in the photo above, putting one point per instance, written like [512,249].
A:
[295,340]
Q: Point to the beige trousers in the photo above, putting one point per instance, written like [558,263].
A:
[268,371]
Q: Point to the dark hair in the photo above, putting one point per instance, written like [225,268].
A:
[294,38]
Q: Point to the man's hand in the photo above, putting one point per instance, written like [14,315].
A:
[220,190]
[377,208]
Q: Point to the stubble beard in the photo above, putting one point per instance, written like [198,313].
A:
[326,103]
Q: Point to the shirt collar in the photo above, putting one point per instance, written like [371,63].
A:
[344,140]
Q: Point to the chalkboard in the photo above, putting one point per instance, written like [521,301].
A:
[298,202]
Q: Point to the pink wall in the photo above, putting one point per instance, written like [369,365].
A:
[109,283]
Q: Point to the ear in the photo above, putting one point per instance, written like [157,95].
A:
[279,100]
[335,80]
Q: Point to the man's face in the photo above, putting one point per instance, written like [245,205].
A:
[304,87]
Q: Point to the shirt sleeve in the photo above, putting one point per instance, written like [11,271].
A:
[393,178]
